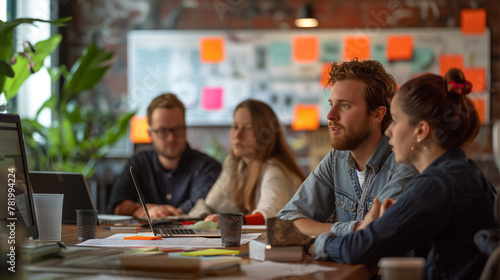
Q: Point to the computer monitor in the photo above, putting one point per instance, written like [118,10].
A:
[15,188]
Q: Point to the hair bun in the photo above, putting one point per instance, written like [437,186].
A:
[459,88]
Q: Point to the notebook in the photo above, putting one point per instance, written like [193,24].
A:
[15,191]
[159,230]
[76,194]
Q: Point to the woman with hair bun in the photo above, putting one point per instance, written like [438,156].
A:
[442,208]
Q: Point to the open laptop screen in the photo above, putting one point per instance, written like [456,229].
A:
[15,188]
[72,185]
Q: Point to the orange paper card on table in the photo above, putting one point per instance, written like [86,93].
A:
[399,48]
[142,237]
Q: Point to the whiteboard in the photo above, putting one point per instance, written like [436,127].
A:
[261,64]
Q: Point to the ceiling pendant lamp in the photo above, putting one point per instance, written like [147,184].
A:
[305,17]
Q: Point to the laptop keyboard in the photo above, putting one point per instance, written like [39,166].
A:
[175,231]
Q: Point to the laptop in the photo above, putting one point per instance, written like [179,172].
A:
[72,185]
[15,191]
[159,230]
[76,194]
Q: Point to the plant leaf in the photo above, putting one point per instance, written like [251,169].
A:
[118,130]
[6,70]
[7,41]
[87,71]
[56,73]
[7,33]
[50,104]
[68,139]
[8,26]
[6,44]
[34,149]
[21,69]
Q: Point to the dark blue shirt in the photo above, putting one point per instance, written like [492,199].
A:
[442,208]
[181,187]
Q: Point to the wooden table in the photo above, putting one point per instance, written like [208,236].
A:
[69,237]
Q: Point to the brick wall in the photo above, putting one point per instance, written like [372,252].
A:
[110,20]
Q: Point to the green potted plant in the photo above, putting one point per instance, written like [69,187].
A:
[71,142]
[27,62]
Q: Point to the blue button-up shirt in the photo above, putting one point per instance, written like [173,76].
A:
[333,188]
[443,207]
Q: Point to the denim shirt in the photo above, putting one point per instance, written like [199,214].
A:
[333,190]
[442,208]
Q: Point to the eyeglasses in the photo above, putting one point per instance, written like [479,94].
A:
[164,132]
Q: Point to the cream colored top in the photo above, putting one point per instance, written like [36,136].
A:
[274,190]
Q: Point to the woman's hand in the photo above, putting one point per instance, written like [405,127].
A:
[387,203]
[378,209]
[213,218]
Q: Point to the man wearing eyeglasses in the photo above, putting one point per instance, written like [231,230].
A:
[172,175]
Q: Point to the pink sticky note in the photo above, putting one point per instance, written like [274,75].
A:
[211,98]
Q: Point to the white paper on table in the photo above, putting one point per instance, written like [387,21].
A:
[117,240]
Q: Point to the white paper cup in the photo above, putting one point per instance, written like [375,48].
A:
[48,211]
[399,268]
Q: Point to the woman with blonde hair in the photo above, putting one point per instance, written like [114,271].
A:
[260,174]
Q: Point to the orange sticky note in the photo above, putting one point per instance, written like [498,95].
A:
[142,237]
[448,61]
[477,76]
[212,50]
[473,21]
[356,46]
[305,117]
[139,130]
[399,48]
[324,76]
[305,48]
[480,105]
